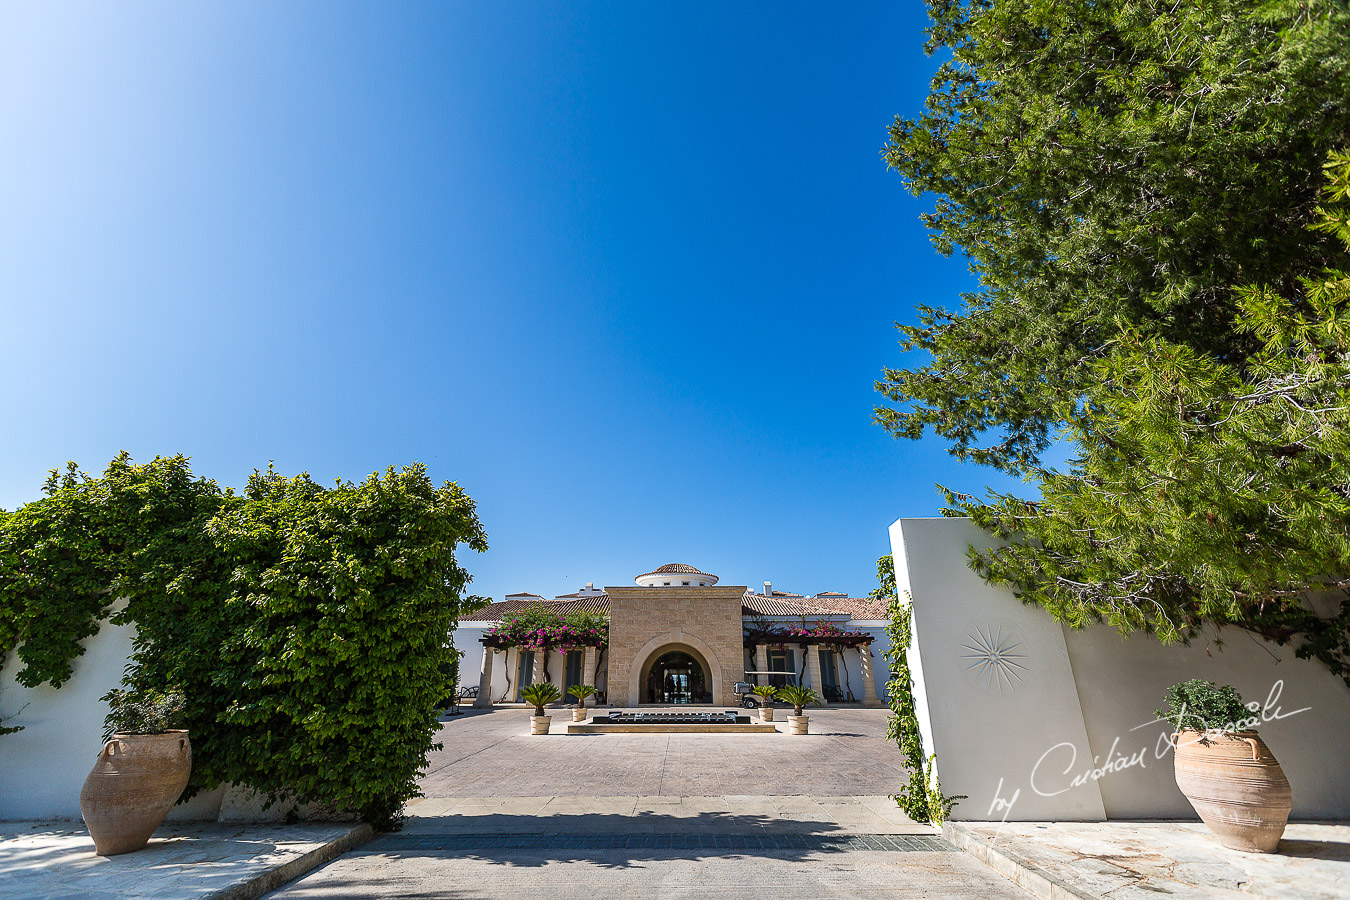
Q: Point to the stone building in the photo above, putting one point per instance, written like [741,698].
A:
[678,636]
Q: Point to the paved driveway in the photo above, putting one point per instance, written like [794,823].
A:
[492,754]
[561,816]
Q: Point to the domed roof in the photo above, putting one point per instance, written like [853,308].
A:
[676,569]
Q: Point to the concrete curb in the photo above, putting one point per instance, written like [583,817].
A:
[1013,866]
[257,885]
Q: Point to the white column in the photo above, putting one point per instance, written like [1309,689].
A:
[588,666]
[814,680]
[869,685]
[484,699]
[538,675]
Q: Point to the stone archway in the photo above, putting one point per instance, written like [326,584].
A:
[674,642]
[675,674]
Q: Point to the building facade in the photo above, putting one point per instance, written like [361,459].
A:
[677,636]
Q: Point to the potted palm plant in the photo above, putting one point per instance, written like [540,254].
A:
[143,767]
[1224,768]
[765,693]
[540,695]
[798,696]
[581,692]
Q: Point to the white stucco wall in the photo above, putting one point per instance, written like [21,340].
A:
[43,767]
[1075,701]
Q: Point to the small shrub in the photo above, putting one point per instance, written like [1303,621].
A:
[581,692]
[540,695]
[1204,706]
[143,712]
[798,696]
[764,692]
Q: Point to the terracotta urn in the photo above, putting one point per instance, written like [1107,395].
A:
[579,714]
[797,724]
[133,785]
[539,724]
[766,713]
[1236,786]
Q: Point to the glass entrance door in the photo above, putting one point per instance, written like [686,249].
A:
[676,678]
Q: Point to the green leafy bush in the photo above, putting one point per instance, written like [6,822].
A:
[307,625]
[540,694]
[1204,706]
[146,712]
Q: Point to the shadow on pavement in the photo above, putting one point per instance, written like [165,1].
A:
[618,841]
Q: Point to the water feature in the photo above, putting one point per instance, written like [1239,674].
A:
[664,717]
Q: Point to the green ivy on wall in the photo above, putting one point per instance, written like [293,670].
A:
[921,797]
[307,625]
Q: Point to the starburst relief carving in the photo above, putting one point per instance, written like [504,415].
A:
[993,659]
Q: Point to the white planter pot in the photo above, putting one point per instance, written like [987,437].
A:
[578,715]
[539,724]
[766,713]
[797,724]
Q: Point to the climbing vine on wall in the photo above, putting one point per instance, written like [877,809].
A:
[921,797]
[307,625]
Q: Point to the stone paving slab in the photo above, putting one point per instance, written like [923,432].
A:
[728,814]
[491,753]
[1137,860]
[800,869]
[56,860]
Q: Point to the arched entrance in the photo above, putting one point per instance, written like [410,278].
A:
[676,675]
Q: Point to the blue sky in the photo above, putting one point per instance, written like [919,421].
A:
[626,272]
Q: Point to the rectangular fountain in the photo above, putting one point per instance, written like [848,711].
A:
[671,721]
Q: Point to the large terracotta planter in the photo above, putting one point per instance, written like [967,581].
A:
[132,787]
[1236,786]
[539,724]
[797,724]
[766,713]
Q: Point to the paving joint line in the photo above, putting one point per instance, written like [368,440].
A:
[469,756]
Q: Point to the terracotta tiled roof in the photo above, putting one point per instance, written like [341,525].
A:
[493,612]
[828,604]
[675,569]
[760,605]
[855,607]
[751,605]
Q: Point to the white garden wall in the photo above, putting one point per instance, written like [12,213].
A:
[1062,727]
[43,767]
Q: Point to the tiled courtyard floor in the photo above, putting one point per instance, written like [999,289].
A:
[508,814]
[493,755]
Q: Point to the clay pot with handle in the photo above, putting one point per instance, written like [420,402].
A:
[1236,786]
[132,787]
